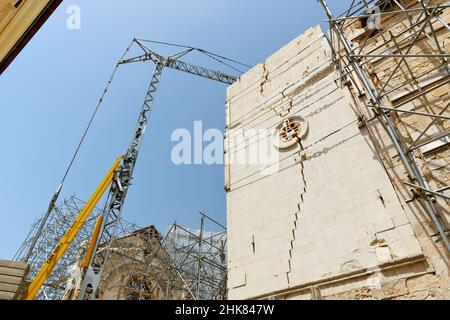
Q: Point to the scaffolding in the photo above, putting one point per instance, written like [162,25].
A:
[200,258]
[44,241]
[393,54]
[48,230]
[186,264]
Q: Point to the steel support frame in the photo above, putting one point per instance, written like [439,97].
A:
[119,188]
[177,64]
[59,220]
[119,191]
[350,64]
[201,262]
[173,269]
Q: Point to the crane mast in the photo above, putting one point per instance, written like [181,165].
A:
[119,188]
[71,233]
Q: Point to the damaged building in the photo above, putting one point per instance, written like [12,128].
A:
[357,205]
[337,171]
[136,270]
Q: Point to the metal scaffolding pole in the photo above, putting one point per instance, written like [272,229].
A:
[43,242]
[352,60]
[185,264]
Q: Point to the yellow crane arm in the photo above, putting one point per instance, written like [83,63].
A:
[67,239]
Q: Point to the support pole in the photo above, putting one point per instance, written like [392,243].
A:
[408,158]
[118,193]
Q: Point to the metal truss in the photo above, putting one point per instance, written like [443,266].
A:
[186,264]
[59,219]
[414,37]
[122,183]
[199,257]
[118,193]
[176,64]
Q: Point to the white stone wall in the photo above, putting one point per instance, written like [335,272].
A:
[330,210]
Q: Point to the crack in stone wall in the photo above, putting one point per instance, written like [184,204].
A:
[297,214]
[265,78]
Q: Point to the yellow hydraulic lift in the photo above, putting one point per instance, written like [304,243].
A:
[67,239]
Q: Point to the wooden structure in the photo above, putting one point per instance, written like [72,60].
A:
[12,283]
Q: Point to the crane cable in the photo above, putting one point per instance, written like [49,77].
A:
[208,53]
[72,161]
[91,120]
[111,78]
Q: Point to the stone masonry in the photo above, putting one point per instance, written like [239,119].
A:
[328,221]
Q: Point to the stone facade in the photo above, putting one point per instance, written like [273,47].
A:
[332,219]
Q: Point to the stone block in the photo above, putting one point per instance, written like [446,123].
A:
[395,288]
[422,283]
[384,225]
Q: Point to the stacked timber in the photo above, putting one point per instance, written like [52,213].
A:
[12,279]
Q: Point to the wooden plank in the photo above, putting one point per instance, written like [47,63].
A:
[7,295]
[9,287]
[12,272]
[10,280]
[14,264]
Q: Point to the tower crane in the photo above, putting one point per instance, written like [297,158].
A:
[118,191]
[119,177]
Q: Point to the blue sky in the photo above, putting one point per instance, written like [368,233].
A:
[48,94]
